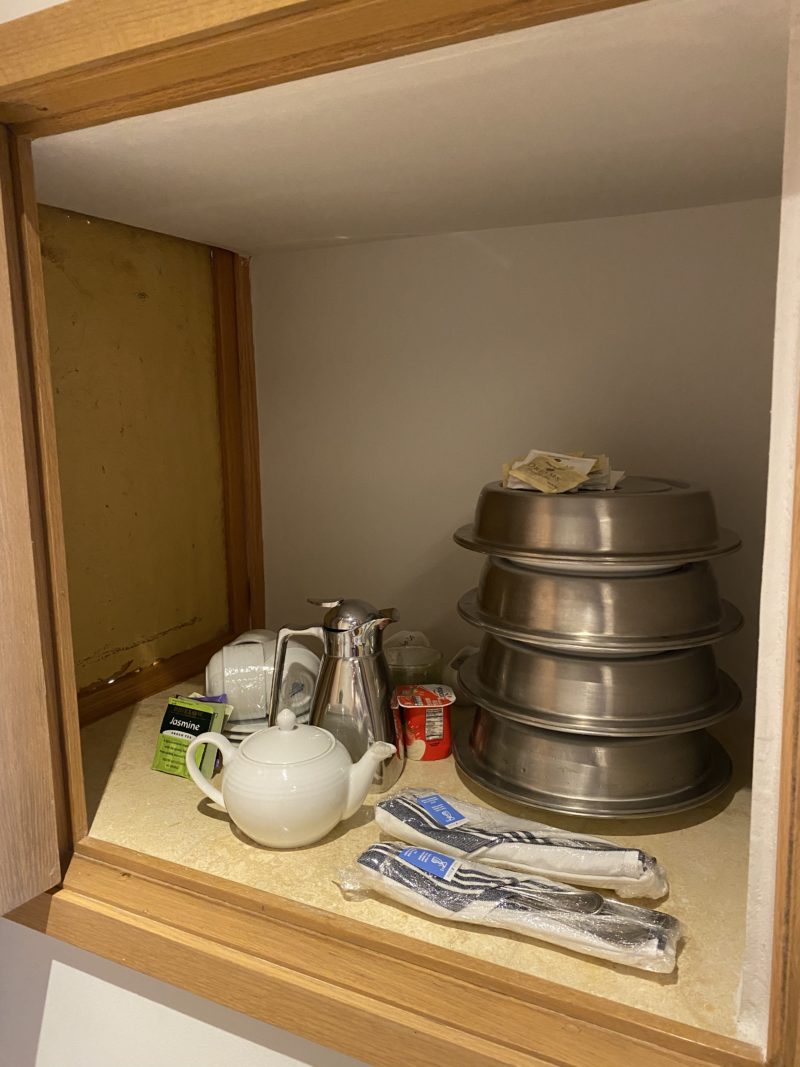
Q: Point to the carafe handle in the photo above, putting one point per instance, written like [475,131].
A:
[280,656]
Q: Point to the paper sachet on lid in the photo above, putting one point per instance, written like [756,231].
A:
[602,476]
[459,828]
[557,472]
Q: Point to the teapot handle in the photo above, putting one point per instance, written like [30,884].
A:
[280,655]
[226,750]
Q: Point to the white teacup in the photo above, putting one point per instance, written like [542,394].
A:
[243,670]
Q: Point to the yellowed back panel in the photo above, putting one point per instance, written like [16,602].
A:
[132,337]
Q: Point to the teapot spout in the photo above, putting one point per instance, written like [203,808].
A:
[362,773]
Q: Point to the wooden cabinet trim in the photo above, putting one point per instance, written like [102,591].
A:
[374,994]
[130,688]
[81,64]
[238,415]
[34,823]
[48,535]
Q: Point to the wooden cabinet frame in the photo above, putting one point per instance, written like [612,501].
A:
[382,997]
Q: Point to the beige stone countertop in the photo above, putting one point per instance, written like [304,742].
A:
[704,851]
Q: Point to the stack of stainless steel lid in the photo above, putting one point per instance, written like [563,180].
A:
[596,677]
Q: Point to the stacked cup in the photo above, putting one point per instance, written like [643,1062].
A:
[596,677]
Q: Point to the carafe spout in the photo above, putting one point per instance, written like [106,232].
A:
[385,617]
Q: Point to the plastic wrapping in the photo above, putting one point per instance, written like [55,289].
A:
[463,891]
[458,828]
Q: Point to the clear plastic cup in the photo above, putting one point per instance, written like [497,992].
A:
[414,664]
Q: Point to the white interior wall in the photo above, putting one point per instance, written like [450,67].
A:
[395,378]
[16,9]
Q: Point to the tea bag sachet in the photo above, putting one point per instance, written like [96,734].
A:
[602,476]
[557,472]
[548,472]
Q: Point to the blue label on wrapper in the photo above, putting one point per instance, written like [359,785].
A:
[435,863]
[445,814]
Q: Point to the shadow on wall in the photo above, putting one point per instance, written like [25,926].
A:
[62,1007]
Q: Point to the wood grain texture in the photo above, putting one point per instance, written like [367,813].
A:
[29,841]
[137,685]
[353,981]
[134,367]
[230,425]
[241,491]
[784,1030]
[142,27]
[239,980]
[251,444]
[51,564]
[114,70]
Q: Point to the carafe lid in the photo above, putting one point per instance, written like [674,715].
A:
[347,614]
[288,742]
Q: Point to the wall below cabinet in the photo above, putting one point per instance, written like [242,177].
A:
[74,1009]
[395,377]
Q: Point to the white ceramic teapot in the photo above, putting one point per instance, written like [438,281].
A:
[288,785]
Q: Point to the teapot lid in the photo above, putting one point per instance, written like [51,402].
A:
[287,742]
[347,614]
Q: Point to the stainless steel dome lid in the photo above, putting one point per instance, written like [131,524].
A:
[609,615]
[643,524]
[669,693]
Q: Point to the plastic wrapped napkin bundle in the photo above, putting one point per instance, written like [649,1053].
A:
[463,891]
[458,828]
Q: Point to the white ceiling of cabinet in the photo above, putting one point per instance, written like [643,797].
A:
[15,9]
[665,104]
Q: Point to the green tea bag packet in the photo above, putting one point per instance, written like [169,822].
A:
[184,720]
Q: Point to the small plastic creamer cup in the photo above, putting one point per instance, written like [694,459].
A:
[414,664]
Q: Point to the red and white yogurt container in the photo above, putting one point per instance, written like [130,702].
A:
[425,714]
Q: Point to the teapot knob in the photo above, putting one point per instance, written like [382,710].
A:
[287,720]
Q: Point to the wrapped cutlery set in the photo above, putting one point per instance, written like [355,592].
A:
[469,864]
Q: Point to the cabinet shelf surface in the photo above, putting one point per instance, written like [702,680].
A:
[705,853]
